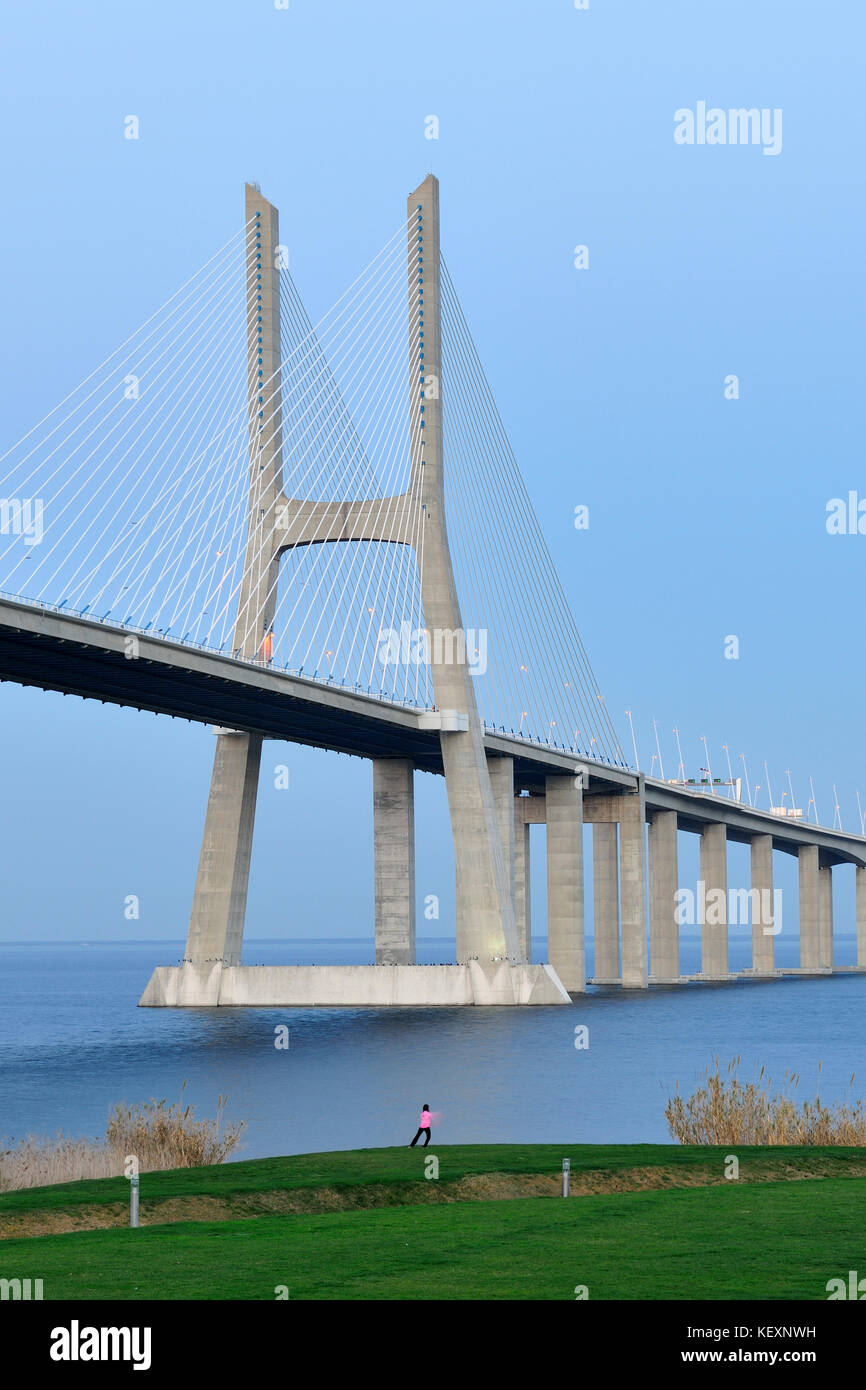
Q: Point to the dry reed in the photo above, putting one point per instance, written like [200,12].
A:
[159,1135]
[726,1110]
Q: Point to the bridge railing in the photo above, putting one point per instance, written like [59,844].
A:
[297,673]
[329,682]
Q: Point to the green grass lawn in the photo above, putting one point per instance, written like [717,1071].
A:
[766,1239]
[773,1241]
[406,1166]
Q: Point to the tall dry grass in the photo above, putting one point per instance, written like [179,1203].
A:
[726,1110]
[159,1135]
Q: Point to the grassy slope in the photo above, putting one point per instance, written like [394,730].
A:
[400,1166]
[774,1241]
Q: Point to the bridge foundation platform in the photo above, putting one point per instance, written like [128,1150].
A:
[353,986]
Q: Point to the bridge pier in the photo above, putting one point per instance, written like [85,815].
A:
[565,927]
[501,773]
[810,950]
[763,942]
[216,925]
[493,966]
[632,890]
[860,910]
[394,860]
[825,917]
[486,927]
[627,810]
[714,876]
[663,883]
[219,902]
[522,888]
[605,903]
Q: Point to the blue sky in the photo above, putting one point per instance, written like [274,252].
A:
[707,516]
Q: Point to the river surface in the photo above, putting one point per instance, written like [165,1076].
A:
[73,1043]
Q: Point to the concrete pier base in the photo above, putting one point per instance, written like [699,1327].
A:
[810,954]
[825,918]
[714,928]
[353,986]
[565,940]
[216,925]
[605,901]
[632,888]
[501,773]
[522,890]
[860,909]
[663,882]
[763,941]
[628,811]
[394,856]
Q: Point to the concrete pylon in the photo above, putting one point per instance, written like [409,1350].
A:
[220,897]
[632,886]
[663,884]
[605,903]
[486,926]
[501,772]
[810,953]
[825,917]
[714,875]
[394,860]
[482,823]
[565,928]
[628,810]
[860,910]
[522,887]
[763,940]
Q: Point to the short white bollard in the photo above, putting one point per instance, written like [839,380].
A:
[133,1201]
[566,1174]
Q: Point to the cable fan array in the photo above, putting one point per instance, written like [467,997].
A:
[137,473]
[142,477]
[344,607]
[534,680]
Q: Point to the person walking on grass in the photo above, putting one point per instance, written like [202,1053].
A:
[423,1128]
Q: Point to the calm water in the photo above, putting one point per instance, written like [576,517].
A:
[72,1042]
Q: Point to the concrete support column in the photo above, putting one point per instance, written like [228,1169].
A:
[763,940]
[394,860]
[714,876]
[486,930]
[825,918]
[663,883]
[522,893]
[632,887]
[605,901]
[565,939]
[810,956]
[216,924]
[860,890]
[501,772]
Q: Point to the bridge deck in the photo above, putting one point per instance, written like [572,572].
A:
[81,656]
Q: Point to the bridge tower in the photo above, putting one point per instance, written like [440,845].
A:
[486,923]
[219,901]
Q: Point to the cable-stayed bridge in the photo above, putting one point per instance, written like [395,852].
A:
[319,532]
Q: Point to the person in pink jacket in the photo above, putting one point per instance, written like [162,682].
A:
[423,1128]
